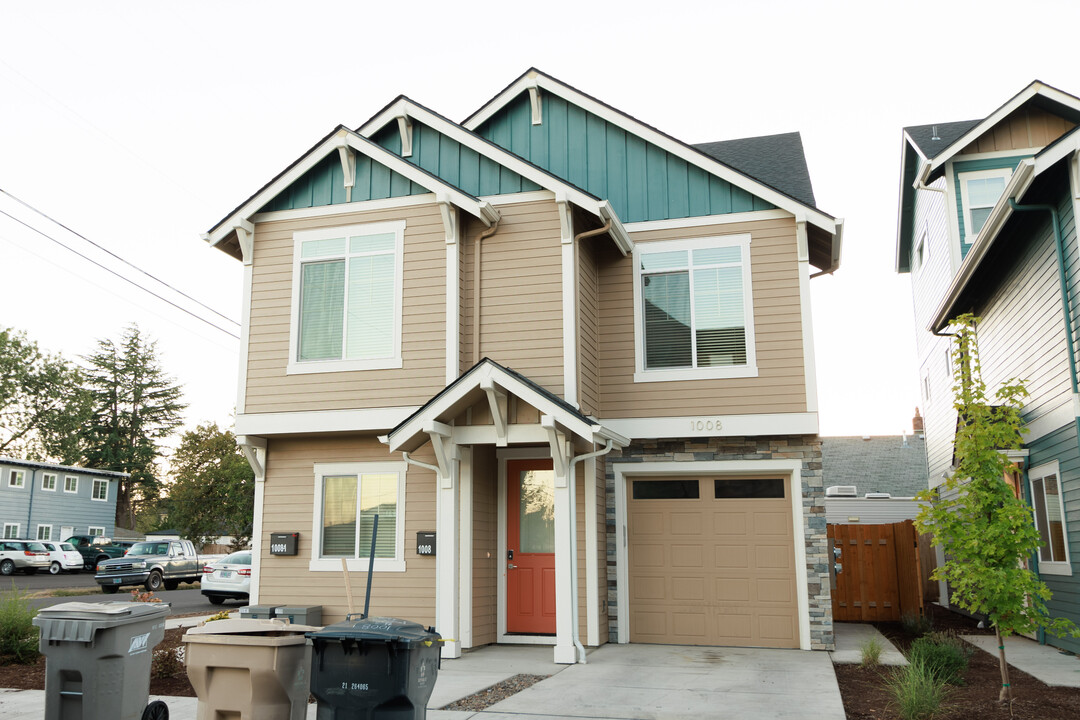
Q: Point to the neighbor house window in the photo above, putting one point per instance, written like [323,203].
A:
[1048,502]
[71,483]
[96,531]
[48,481]
[16,479]
[693,309]
[11,531]
[101,490]
[349,495]
[979,192]
[347,298]
[44,532]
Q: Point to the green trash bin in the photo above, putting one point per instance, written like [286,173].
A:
[374,668]
[97,660]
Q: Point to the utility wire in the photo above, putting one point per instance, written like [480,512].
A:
[53,220]
[110,270]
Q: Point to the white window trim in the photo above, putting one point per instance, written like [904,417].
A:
[358,564]
[90,531]
[963,177]
[93,490]
[71,477]
[296,367]
[22,478]
[38,533]
[1050,567]
[48,475]
[707,373]
[8,536]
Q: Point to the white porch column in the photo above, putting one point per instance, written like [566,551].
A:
[254,449]
[565,652]
[447,586]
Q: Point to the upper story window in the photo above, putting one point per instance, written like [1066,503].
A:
[16,479]
[346,303]
[693,309]
[1048,502]
[100,490]
[48,482]
[979,192]
[71,483]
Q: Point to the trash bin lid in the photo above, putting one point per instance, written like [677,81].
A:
[249,626]
[386,629]
[103,611]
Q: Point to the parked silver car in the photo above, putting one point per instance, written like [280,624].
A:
[26,555]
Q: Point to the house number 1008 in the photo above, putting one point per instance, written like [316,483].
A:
[708,425]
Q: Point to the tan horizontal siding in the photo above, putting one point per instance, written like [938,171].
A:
[1025,127]
[520,293]
[288,505]
[485,528]
[781,383]
[588,319]
[423,337]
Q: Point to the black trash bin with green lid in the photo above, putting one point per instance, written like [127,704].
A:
[368,668]
[97,660]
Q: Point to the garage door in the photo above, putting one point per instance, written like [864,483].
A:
[712,562]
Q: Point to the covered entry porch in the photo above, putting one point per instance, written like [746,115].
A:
[520,535]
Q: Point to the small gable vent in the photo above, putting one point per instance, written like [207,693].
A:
[841,491]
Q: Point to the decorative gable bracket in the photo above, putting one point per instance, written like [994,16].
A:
[537,105]
[405,129]
[348,168]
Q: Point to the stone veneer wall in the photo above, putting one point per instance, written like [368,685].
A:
[799,447]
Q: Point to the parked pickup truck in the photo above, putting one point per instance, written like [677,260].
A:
[95,549]
[153,564]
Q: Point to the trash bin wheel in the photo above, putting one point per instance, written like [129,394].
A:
[156,710]
[153,583]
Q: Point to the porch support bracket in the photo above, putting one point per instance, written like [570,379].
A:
[497,401]
[245,235]
[557,443]
[442,439]
[254,449]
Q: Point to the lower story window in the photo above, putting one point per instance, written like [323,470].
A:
[44,532]
[11,530]
[1048,502]
[95,531]
[349,496]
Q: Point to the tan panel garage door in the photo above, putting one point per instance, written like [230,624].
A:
[712,562]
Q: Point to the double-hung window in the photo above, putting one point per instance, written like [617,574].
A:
[979,192]
[347,498]
[48,482]
[1048,502]
[71,483]
[693,309]
[17,479]
[346,304]
[100,491]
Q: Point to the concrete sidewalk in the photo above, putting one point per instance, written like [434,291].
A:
[850,638]
[1042,662]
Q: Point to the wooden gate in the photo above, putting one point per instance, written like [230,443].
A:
[880,578]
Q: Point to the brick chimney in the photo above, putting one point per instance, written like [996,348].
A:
[917,423]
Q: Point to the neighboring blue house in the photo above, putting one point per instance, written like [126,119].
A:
[987,225]
[42,501]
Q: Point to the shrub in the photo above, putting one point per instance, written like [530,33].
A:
[223,615]
[944,656]
[168,663]
[18,636]
[917,694]
[140,596]
[871,652]
[916,625]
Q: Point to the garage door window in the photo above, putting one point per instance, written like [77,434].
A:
[756,488]
[666,489]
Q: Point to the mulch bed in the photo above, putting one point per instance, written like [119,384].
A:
[865,696]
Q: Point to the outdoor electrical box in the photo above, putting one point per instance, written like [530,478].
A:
[425,543]
[284,543]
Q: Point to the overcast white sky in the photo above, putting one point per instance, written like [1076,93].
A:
[141,124]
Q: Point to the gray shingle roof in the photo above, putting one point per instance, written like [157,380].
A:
[875,464]
[947,134]
[776,160]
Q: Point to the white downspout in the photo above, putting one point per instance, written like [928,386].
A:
[573,544]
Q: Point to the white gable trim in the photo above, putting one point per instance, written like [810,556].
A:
[534,78]
[562,190]
[348,139]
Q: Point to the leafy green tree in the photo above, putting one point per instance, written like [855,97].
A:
[42,402]
[213,488]
[987,533]
[135,407]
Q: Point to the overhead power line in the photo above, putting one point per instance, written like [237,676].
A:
[79,235]
[125,279]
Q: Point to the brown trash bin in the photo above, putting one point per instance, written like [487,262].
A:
[257,668]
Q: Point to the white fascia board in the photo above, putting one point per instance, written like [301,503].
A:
[347,138]
[1035,88]
[1061,150]
[1016,187]
[691,426]
[707,220]
[316,421]
[636,127]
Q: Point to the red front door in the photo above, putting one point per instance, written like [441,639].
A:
[530,544]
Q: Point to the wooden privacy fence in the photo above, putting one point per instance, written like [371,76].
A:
[881,577]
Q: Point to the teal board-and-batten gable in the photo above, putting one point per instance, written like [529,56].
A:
[972,166]
[641,180]
[324,184]
[452,162]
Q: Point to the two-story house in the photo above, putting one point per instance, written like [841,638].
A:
[574,348]
[987,225]
[43,501]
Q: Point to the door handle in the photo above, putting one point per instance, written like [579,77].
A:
[511,566]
